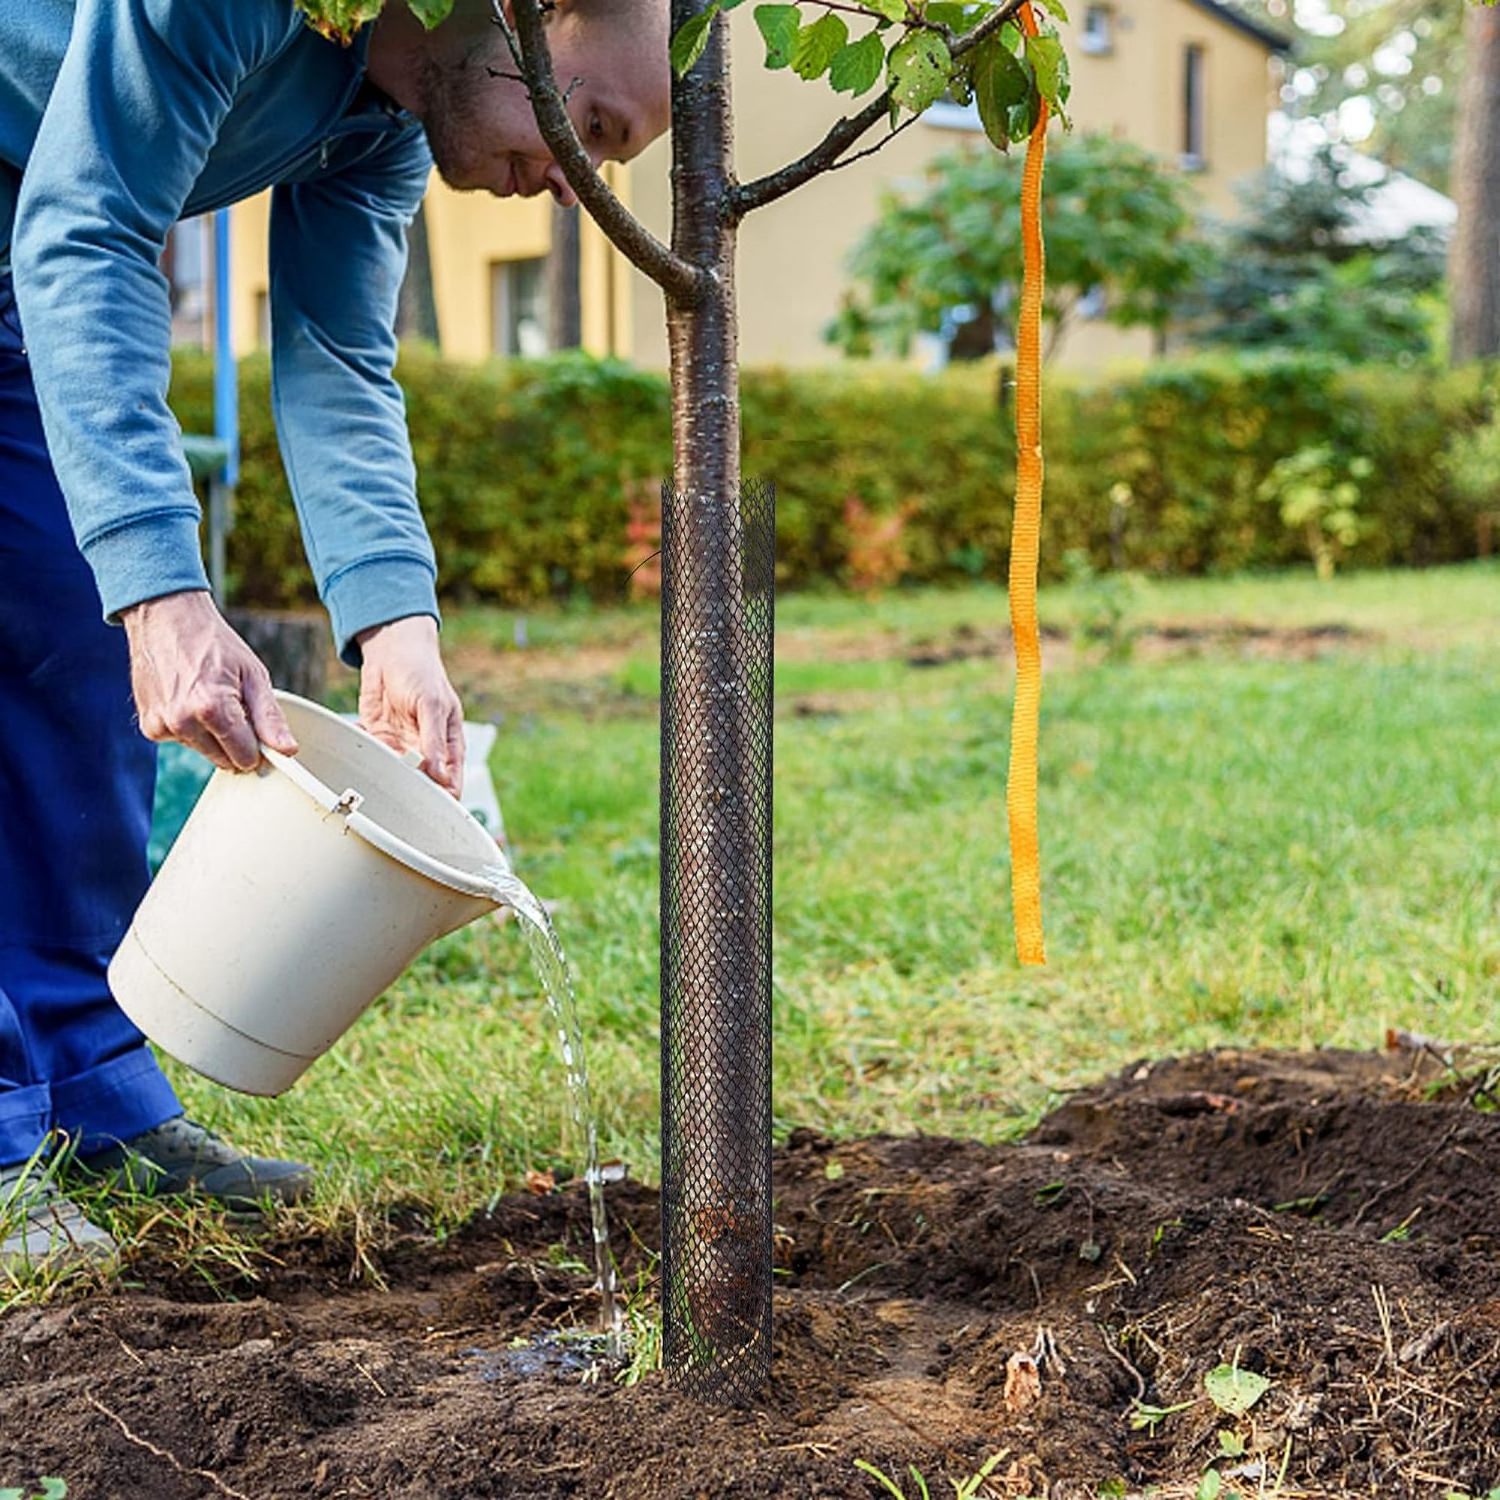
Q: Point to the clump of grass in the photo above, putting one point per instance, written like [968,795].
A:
[963,1489]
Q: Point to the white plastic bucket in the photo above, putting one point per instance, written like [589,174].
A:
[293,896]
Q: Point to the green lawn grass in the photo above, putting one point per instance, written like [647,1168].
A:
[1235,851]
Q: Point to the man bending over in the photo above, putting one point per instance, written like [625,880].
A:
[118,118]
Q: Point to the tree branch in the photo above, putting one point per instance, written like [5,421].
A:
[879,145]
[682,281]
[825,155]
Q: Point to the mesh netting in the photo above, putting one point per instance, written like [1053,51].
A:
[718,623]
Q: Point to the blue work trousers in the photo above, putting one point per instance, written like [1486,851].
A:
[76,781]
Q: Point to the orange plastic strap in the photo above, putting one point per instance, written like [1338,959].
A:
[1025,546]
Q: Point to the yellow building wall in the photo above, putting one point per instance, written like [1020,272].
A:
[792,253]
[468,233]
[249,241]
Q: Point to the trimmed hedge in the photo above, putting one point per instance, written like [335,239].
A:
[529,469]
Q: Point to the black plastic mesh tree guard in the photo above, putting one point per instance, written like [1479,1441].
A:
[718,634]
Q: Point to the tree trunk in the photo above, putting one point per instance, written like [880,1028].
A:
[716,798]
[416,308]
[564,298]
[1474,261]
[293,646]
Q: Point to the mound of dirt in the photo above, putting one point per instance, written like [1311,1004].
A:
[1324,1225]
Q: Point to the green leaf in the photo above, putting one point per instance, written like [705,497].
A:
[857,67]
[1210,1486]
[919,70]
[339,19]
[834,1171]
[1050,64]
[970,1487]
[53,1489]
[430,13]
[1234,1390]
[817,46]
[972,15]
[778,25]
[961,83]
[1000,83]
[1057,8]
[1231,1444]
[891,10]
[692,38]
[1023,117]
[945,13]
[884,1479]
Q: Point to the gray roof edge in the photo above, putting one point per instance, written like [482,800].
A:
[1231,16]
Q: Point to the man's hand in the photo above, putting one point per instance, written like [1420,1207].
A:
[197,682]
[406,700]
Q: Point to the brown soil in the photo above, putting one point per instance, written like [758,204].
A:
[1327,1220]
[1154,642]
[587,679]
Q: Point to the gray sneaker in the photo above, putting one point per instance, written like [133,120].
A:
[39,1227]
[180,1156]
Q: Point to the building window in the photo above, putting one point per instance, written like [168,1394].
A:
[518,303]
[948,114]
[1194,114]
[1098,31]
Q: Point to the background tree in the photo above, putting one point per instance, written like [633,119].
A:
[1118,223]
[1301,270]
[1474,267]
[1382,75]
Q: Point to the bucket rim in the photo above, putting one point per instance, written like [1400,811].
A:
[373,833]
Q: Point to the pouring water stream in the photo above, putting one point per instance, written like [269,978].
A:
[551,966]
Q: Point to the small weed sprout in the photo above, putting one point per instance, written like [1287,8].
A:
[965,1489]
[51,1489]
[1144,1415]
[640,1315]
[888,1484]
[642,1339]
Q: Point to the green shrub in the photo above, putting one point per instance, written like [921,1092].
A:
[529,468]
[1473,471]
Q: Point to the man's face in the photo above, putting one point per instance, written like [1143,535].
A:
[481,127]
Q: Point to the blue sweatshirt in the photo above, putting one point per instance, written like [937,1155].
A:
[117,118]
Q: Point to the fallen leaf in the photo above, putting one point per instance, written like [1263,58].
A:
[1234,1390]
[1023,1382]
